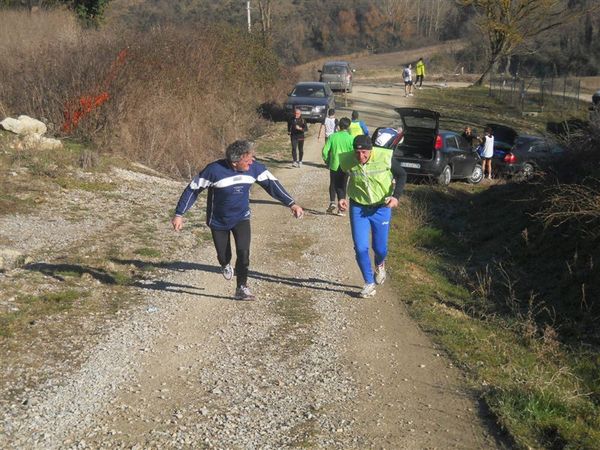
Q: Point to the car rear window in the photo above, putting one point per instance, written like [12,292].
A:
[308,91]
[334,69]
[420,122]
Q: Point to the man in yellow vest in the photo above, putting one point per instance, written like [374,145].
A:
[420,69]
[357,127]
[376,181]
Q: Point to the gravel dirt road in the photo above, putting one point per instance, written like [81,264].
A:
[307,365]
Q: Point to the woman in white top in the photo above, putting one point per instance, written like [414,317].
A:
[488,152]
[330,125]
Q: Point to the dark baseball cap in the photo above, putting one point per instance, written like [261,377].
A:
[362,142]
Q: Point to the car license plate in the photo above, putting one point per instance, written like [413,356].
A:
[410,165]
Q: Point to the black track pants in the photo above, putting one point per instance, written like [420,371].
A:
[337,178]
[222,240]
[297,148]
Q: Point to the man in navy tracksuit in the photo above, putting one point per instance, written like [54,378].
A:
[228,206]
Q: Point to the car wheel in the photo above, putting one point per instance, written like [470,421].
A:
[477,175]
[445,176]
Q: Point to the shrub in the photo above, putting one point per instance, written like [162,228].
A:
[171,98]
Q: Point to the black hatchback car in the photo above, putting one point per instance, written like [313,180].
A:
[426,151]
[528,155]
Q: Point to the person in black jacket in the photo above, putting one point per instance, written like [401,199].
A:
[470,136]
[297,126]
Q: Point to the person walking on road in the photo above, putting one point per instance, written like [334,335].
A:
[488,152]
[376,181]
[338,143]
[228,182]
[357,126]
[297,126]
[408,81]
[330,125]
[420,71]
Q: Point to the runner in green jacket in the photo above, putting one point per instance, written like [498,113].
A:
[338,143]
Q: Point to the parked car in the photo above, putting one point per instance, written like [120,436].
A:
[338,75]
[312,98]
[426,151]
[528,155]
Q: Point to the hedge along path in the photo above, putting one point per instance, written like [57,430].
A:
[307,365]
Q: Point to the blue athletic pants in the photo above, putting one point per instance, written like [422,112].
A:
[369,223]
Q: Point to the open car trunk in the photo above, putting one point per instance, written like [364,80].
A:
[420,128]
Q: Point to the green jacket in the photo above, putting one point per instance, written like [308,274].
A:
[338,143]
[369,183]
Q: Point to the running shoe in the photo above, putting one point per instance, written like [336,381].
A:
[299,163]
[228,272]
[380,274]
[295,164]
[368,290]
[331,208]
[244,293]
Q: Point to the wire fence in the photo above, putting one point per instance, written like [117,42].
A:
[532,95]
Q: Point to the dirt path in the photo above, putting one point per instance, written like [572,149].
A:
[307,365]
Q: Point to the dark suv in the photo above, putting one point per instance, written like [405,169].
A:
[426,151]
[338,75]
[313,99]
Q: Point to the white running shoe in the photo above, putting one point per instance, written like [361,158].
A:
[380,274]
[368,290]
[299,163]
[294,164]
[228,272]
[244,293]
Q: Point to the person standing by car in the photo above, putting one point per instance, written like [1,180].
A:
[357,126]
[408,81]
[338,143]
[376,181]
[228,206]
[488,152]
[469,136]
[297,126]
[420,71]
[330,125]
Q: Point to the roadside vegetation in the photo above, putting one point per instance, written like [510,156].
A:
[505,278]
[169,97]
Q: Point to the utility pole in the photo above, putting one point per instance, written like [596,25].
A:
[249,21]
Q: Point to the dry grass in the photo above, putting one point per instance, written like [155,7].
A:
[176,97]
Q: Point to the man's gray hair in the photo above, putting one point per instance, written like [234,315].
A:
[236,150]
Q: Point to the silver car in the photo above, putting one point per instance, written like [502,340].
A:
[338,75]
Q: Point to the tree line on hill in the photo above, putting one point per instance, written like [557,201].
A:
[536,37]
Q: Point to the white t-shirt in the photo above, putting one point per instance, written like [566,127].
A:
[488,147]
[329,126]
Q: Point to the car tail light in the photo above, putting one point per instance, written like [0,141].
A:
[438,142]
[510,158]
